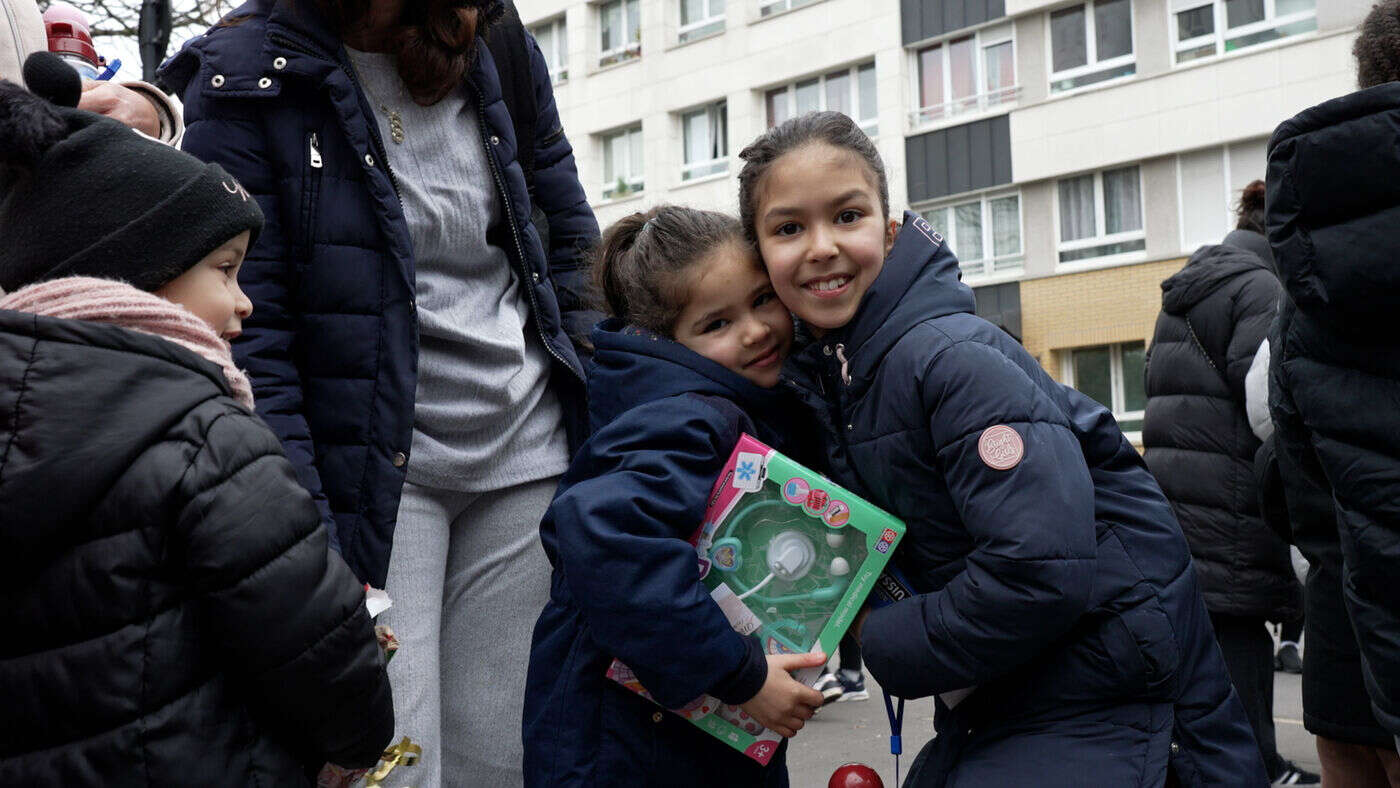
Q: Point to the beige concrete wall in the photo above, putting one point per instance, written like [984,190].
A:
[1119,304]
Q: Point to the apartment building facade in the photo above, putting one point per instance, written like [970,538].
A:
[1073,153]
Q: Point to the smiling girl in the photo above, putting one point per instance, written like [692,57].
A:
[689,360]
[1051,574]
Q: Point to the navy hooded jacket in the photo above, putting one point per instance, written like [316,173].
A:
[626,582]
[332,346]
[1334,223]
[1060,583]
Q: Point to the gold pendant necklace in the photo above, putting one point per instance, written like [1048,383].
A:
[395,124]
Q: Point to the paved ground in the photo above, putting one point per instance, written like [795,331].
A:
[858,731]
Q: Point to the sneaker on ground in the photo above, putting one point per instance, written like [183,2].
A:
[830,688]
[1287,659]
[1293,774]
[852,685]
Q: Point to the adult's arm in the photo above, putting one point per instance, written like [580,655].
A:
[233,135]
[573,230]
[632,498]
[283,613]
[1029,576]
[1251,313]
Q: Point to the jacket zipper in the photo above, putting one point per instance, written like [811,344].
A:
[378,141]
[526,281]
[315,153]
[311,187]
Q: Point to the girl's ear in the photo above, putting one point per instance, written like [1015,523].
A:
[890,232]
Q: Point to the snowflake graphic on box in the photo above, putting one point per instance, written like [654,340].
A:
[745,471]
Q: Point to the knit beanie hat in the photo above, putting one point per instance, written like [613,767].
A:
[83,195]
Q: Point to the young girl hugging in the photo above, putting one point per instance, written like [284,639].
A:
[688,360]
[1051,575]
[177,617]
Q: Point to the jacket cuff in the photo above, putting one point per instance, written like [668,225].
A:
[172,126]
[744,683]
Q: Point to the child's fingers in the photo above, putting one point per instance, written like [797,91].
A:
[809,697]
[798,661]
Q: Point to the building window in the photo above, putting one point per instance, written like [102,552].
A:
[701,18]
[1206,28]
[1112,375]
[850,91]
[552,36]
[771,7]
[967,74]
[1101,215]
[984,233]
[706,141]
[1211,181]
[622,163]
[620,31]
[1091,43]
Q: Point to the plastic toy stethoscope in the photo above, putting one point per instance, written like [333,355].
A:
[791,556]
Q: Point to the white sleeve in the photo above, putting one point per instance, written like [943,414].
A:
[1256,394]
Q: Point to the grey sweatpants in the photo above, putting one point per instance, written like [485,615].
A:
[468,579]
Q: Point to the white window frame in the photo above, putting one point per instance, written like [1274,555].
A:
[695,170]
[635,181]
[1091,45]
[632,48]
[990,268]
[1100,238]
[1220,35]
[711,25]
[767,8]
[558,59]
[1115,381]
[983,100]
[871,126]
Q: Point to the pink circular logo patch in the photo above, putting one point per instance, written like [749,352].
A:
[1001,448]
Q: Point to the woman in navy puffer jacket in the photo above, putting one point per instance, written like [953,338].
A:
[408,344]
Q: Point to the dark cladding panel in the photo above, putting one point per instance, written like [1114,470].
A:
[923,19]
[1001,306]
[959,159]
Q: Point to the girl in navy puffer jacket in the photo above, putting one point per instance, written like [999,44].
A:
[1051,578]
[690,360]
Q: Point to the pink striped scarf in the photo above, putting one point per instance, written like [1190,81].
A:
[120,304]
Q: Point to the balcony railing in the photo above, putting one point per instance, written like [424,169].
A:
[981,102]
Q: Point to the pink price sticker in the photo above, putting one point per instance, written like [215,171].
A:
[1001,448]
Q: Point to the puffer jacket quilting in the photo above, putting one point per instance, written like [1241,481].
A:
[178,618]
[1196,435]
[1062,583]
[1333,214]
[332,347]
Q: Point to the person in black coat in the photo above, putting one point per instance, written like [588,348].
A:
[1334,384]
[1199,445]
[175,616]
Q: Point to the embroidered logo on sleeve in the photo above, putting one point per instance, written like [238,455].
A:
[1001,448]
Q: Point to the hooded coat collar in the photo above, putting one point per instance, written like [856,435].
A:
[1209,268]
[632,367]
[920,280]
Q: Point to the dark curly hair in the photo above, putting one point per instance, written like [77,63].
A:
[641,265]
[1377,47]
[432,42]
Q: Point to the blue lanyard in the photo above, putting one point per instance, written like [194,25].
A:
[896,726]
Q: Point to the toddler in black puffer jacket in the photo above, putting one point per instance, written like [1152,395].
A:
[175,615]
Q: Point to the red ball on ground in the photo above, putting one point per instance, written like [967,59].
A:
[855,775]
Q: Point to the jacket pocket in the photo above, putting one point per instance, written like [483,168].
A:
[1141,642]
[310,192]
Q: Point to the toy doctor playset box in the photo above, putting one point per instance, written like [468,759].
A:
[790,557]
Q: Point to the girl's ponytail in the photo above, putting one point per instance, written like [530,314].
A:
[640,267]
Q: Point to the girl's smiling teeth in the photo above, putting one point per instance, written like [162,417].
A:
[829,285]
